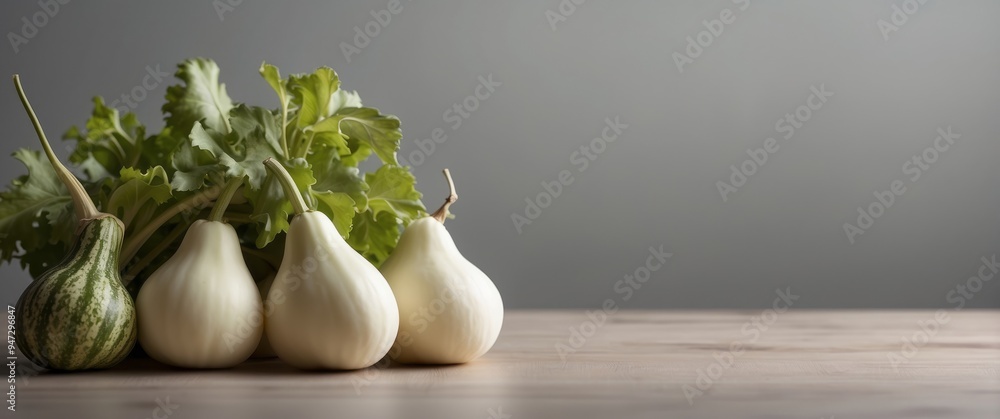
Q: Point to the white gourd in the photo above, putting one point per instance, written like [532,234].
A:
[328,307]
[201,308]
[450,312]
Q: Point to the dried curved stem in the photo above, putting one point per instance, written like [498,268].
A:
[83,205]
[442,213]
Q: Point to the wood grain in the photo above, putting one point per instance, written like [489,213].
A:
[806,364]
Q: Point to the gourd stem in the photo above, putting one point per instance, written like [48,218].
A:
[84,206]
[285,179]
[222,203]
[442,213]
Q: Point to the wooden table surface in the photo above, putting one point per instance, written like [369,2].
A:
[641,364]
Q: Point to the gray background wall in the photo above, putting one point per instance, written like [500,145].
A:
[657,183]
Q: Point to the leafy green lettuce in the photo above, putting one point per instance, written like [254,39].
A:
[159,183]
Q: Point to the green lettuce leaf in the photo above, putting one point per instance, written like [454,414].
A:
[392,190]
[192,167]
[34,204]
[201,99]
[374,236]
[273,78]
[332,175]
[138,193]
[161,182]
[312,94]
[339,207]
[254,138]
[272,75]
[363,131]
[108,143]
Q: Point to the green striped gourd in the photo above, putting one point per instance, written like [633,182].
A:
[78,315]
